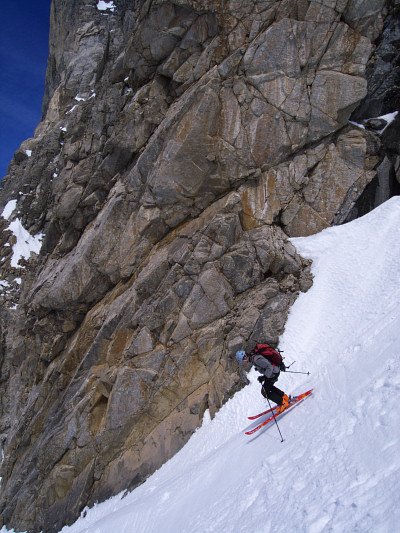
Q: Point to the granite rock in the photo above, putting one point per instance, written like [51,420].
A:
[181,144]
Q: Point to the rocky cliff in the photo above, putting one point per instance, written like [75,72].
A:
[181,143]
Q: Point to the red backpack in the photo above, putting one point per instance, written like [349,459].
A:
[269,353]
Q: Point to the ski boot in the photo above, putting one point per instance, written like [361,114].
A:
[284,404]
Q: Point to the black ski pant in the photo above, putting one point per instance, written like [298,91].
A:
[275,394]
[271,392]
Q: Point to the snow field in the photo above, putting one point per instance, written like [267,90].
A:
[338,469]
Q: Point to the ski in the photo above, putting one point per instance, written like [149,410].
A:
[263,413]
[254,417]
[293,401]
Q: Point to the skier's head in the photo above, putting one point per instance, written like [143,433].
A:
[241,356]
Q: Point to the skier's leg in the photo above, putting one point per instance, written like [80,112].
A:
[280,398]
[275,394]
[266,386]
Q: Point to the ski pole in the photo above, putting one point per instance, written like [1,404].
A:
[294,372]
[273,414]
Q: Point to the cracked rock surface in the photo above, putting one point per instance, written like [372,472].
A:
[181,144]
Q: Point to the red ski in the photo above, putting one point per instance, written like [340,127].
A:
[263,413]
[274,408]
[293,401]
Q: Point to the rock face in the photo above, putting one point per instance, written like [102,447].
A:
[181,143]
[383,76]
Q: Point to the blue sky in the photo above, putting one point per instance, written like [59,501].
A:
[24,37]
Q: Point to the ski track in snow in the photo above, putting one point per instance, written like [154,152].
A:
[338,469]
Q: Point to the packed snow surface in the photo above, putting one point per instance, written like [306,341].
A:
[338,469]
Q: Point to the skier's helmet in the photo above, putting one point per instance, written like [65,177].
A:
[240,355]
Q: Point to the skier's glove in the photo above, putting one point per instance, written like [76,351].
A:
[260,379]
[282,367]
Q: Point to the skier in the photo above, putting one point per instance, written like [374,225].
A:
[270,374]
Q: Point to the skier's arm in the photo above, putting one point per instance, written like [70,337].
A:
[265,367]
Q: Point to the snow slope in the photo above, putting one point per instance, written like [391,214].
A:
[338,469]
